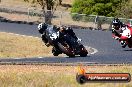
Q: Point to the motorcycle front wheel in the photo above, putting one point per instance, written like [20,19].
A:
[83,51]
[65,48]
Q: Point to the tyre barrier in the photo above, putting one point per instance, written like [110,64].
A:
[13,11]
[2,19]
[18,22]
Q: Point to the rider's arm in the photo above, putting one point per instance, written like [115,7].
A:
[70,32]
[41,31]
[115,37]
[115,34]
[44,39]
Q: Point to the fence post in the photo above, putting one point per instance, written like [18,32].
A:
[96,22]
[61,13]
[28,14]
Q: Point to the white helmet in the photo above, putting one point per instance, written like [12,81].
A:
[42,26]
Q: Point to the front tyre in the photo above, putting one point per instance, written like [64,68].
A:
[83,51]
[65,48]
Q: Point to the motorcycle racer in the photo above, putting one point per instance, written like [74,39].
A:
[120,32]
[41,28]
[63,30]
[63,40]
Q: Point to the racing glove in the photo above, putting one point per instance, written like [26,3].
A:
[78,39]
[116,38]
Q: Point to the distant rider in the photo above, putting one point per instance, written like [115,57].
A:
[118,28]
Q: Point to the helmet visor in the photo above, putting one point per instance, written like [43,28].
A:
[116,26]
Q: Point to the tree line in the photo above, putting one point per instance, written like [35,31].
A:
[114,8]
[118,8]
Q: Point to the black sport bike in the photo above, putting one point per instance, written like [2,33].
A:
[64,43]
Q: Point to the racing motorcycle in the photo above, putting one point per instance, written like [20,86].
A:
[126,36]
[64,43]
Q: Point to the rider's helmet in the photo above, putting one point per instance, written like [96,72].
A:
[55,27]
[42,27]
[116,23]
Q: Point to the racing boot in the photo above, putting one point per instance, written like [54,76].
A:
[55,51]
[123,44]
[47,44]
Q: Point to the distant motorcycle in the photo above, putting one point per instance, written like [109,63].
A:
[64,43]
[126,36]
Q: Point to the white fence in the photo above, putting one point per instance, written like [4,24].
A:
[63,18]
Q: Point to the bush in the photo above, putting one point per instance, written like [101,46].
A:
[98,7]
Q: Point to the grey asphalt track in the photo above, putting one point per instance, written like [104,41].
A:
[109,50]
